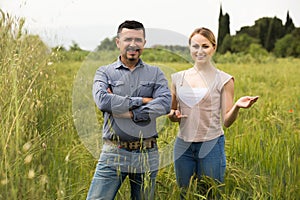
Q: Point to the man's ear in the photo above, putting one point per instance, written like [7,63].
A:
[117,41]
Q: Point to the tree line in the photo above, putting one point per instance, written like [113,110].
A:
[267,35]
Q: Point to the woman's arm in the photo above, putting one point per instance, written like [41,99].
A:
[172,115]
[175,114]
[230,109]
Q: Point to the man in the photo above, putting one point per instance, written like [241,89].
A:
[131,94]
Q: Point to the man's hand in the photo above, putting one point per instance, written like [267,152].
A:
[129,114]
[109,90]
[146,100]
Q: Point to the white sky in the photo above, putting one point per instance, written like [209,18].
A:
[88,22]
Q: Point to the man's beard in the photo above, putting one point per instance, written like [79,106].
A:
[131,59]
[132,49]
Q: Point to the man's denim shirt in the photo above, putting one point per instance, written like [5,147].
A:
[128,87]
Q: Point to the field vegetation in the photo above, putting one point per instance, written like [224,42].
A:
[43,156]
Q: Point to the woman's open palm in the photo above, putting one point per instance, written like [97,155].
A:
[246,101]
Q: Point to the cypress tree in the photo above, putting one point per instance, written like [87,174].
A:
[224,21]
[275,31]
[289,25]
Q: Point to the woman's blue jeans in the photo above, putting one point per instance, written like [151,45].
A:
[199,158]
[115,164]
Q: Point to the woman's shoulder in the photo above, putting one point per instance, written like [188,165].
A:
[224,77]
[223,74]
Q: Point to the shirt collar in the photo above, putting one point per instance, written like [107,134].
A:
[120,64]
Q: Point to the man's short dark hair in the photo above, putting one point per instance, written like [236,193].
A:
[131,24]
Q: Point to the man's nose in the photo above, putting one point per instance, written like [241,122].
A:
[133,42]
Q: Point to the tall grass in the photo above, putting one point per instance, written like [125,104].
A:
[263,145]
[42,156]
[38,144]
[22,62]
[265,139]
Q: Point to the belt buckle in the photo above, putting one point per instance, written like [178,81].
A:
[135,145]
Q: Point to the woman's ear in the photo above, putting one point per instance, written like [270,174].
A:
[215,47]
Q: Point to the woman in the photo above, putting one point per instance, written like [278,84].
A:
[202,102]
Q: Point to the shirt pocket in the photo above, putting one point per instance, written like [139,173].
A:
[146,88]
[118,87]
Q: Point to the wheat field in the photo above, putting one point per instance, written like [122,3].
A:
[43,156]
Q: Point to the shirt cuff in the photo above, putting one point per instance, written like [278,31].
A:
[135,102]
[139,116]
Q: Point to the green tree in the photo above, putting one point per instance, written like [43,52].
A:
[107,45]
[289,25]
[263,29]
[224,22]
[75,46]
[257,51]
[289,45]
[226,44]
[283,46]
[275,31]
[252,31]
[267,30]
[241,43]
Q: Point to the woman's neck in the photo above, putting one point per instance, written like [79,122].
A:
[207,71]
[204,67]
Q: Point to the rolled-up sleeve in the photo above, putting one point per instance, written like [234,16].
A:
[109,102]
[161,103]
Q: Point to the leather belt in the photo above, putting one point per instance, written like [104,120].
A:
[134,145]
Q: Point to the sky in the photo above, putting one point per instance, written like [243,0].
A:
[88,22]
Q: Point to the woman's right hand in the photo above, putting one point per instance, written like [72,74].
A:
[175,115]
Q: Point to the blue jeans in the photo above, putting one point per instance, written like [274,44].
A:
[115,164]
[199,158]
